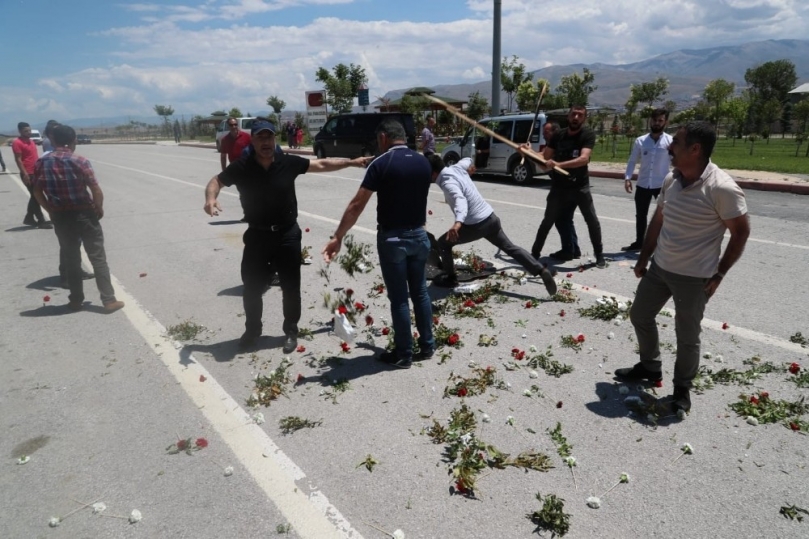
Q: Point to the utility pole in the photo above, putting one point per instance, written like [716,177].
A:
[496,60]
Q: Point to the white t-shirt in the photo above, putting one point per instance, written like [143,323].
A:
[461,194]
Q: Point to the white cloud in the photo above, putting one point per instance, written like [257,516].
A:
[475,73]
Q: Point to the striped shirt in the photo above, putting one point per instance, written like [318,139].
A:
[65,178]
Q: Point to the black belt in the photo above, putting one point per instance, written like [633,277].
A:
[271,228]
[381,228]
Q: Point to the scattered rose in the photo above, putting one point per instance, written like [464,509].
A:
[135,516]
[385,331]
[794,426]
[46,298]
[99,507]
[580,337]
[533,374]
[754,399]
[202,443]
[182,445]
[687,449]
[258,418]
[593,502]
[342,309]
[562,313]
[624,477]
[306,229]
[359,306]
[659,383]
[300,349]
[559,404]
[398,534]
[429,212]
[725,325]
[569,275]
[202,378]
[299,379]
[462,391]
[795,368]
[344,346]
[485,418]
[54,522]
[752,421]
[349,292]
[453,339]
[229,469]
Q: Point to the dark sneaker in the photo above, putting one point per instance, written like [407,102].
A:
[75,305]
[445,281]
[426,354]
[681,399]
[113,306]
[562,255]
[29,221]
[248,340]
[577,254]
[390,358]
[45,225]
[290,344]
[547,278]
[600,262]
[634,246]
[639,372]
[87,275]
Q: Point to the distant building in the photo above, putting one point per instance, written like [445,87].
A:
[800,93]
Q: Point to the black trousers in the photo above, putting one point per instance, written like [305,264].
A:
[282,251]
[563,202]
[491,229]
[643,199]
[34,211]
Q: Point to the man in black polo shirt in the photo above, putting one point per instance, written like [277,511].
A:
[266,183]
[570,149]
[401,179]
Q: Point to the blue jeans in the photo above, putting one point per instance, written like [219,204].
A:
[403,258]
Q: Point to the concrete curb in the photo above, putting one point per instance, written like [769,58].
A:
[794,188]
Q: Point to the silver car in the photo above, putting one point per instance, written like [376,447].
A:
[502,158]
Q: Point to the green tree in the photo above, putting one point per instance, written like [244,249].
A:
[801,114]
[477,107]
[235,112]
[300,120]
[670,106]
[715,94]
[164,111]
[276,103]
[512,75]
[736,111]
[771,80]
[770,112]
[341,85]
[650,92]
[576,88]
[527,95]
[786,119]
[683,117]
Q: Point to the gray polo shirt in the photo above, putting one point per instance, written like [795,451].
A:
[690,240]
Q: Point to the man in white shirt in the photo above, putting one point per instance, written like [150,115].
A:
[475,219]
[652,149]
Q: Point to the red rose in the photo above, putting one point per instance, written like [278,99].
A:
[459,486]
[380,289]
[202,378]
[385,331]
[794,426]
[453,339]
[569,275]
[301,349]
[306,229]
[429,212]
[764,395]
[345,347]
[415,334]
[369,320]
[181,445]
[754,399]
[562,313]
[46,298]
[342,309]
[359,306]
[469,303]
[725,325]
[299,379]
[462,392]
[142,275]
[659,383]
[435,321]
[581,269]
[349,292]
[529,304]
[521,355]
[795,368]
[580,337]
[514,351]
[489,369]
[587,288]
[202,443]
[559,404]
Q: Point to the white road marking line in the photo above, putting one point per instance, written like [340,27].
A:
[312,516]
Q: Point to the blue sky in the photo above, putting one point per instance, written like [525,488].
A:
[99,58]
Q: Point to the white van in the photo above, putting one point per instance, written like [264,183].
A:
[222,129]
[503,159]
[36,136]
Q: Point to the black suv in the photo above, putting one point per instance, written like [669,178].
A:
[353,135]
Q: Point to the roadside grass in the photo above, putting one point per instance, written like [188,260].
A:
[775,155]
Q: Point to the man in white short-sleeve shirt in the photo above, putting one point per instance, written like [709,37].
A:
[697,203]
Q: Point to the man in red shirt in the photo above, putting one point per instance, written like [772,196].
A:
[233,144]
[26,155]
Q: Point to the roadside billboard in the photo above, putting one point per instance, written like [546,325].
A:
[316,112]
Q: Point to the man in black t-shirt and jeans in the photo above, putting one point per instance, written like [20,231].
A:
[570,149]
[266,183]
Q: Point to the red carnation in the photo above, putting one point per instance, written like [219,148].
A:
[794,426]
[435,321]
[380,289]
[306,229]
[725,325]
[359,306]
[301,349]
[754,399]
[429,212]
[453,339]
[581,269]
[469,303]
[462,391]
[580,337]
[569,275]
[369,320]
[562,313]
[659,383]
[345,347]
[795,368]
[181,445]
[764,395]
[202,378]
[202,443]
[529,304]
[342,309]
[299,379]
[385,330]
[459,486]
[46,298]
[480,299]
[349,292]
[559,404]
[514,351]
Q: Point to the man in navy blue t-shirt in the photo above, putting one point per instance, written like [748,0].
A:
[401,179]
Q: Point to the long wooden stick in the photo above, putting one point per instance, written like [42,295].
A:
[526,151]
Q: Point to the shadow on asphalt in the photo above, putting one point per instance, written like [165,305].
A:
[60,310]
[21,228]
[610,405]
[231,222]
[46,284]
[225,351]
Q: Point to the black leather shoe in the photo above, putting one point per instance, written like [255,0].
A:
[45,225]
[85,275]
[445,281]
[562,255]
[248,340]
[29,221]
[601,263]
[390,358]
[290,344]
[634,246]
[681,399]
[639,372]
[550,283]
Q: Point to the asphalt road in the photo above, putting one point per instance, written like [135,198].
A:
[95,399]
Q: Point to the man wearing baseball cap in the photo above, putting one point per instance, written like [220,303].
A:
[265,180]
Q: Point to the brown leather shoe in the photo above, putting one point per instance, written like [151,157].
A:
[113,306]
